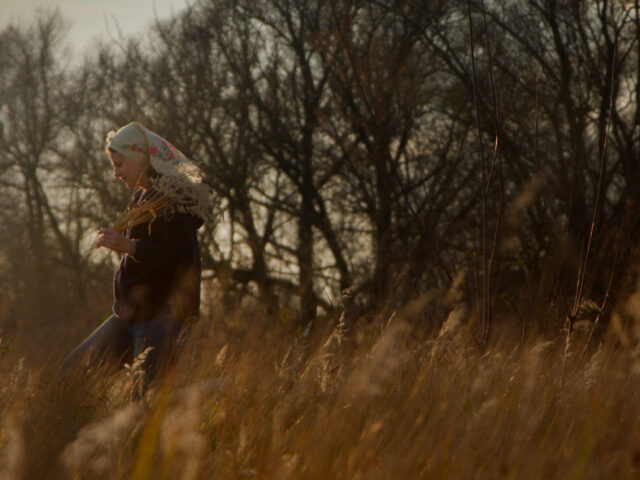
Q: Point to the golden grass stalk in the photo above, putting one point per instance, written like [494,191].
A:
[145,210]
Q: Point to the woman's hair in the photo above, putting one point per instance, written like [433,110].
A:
[151,172]
[108,150]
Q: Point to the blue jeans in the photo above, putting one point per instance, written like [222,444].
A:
[151,347]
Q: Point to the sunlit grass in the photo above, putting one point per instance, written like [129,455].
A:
[378,399]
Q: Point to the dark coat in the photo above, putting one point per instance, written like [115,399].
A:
[163,275]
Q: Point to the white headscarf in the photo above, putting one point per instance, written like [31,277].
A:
[138,143]
[178,174]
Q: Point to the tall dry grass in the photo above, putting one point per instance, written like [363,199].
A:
[252,398]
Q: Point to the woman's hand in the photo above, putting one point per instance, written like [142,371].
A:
[114,240]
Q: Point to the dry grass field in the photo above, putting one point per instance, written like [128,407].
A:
[379,399]
[394,147]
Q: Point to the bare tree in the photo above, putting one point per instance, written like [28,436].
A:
[37,115]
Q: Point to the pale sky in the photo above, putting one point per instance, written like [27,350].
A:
[92,19]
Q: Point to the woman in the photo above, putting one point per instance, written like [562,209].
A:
[156,287]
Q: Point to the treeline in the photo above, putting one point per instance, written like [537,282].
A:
[354,145]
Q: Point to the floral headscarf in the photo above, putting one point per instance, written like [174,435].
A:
[179,176]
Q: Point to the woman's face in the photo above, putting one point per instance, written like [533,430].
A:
[127,170]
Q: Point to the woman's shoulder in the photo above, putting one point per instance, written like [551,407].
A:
[181,217]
